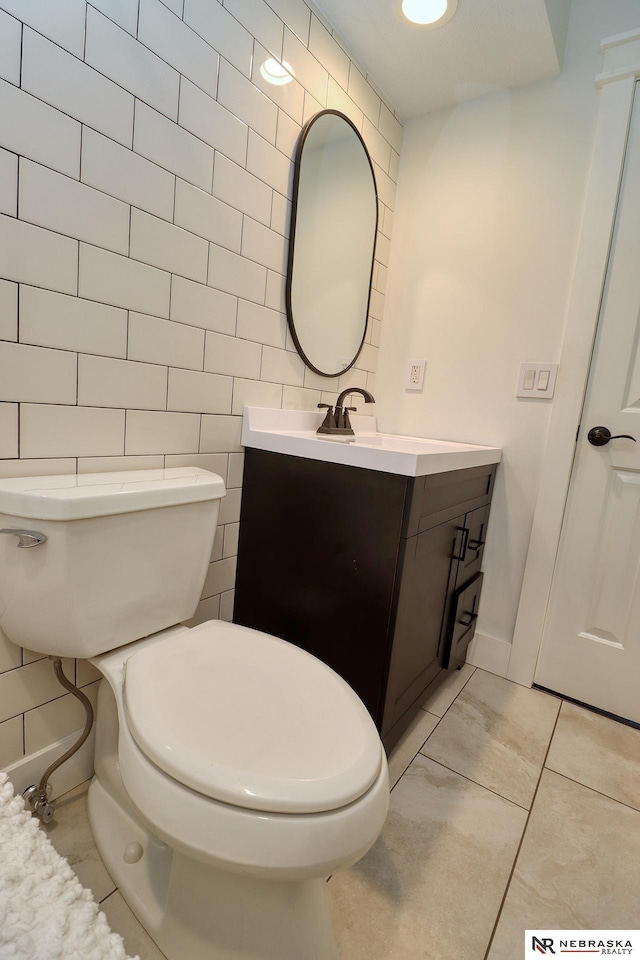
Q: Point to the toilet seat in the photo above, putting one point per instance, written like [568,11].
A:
[250,720]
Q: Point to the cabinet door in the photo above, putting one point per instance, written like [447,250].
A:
[464,615]
[475,527]
[469,553]
[425,571]
[317,562]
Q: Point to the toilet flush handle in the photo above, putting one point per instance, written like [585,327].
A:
[26,538]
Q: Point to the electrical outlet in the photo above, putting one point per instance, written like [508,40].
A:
[415,374]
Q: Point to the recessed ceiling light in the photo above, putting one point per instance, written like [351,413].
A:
[429,12]
[277,73]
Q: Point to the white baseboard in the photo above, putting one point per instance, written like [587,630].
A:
[27,771]
[490,654]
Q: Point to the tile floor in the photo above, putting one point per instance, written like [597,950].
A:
[510,810]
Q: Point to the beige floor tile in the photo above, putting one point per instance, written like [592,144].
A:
[432,884]
[601,753]
[440,701]
[137,941]
[409,744]
[497,734]
[577,869]
[71,836]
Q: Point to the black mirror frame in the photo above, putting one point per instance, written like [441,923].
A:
[292,236]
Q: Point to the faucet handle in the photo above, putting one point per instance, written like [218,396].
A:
[329,423]
[346,422]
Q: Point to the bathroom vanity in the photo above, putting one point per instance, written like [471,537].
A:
[376,572]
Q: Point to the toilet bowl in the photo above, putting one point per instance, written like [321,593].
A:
[207,851]
[233,771]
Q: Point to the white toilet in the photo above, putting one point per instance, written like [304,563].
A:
[234,772]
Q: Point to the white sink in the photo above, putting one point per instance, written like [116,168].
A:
[294,432]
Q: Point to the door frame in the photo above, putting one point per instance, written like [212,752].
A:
[617,81]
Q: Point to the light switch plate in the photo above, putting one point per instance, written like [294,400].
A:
[537,381]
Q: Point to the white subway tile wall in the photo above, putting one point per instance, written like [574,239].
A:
[8,183]
[10,33]
[211,122]
[122,12]
[289,97]
[8,430]
[261,21]
[208,217]
[63,81]
[146,175]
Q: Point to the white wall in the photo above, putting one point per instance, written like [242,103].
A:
[145,186]
[490,198]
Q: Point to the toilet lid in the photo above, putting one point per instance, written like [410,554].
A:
[250,720]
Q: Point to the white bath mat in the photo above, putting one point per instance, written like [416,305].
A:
[45,912]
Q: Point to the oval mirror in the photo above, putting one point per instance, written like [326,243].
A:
[333,231]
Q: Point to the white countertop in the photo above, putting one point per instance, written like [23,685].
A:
[293,432]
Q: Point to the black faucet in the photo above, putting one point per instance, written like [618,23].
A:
[337,421]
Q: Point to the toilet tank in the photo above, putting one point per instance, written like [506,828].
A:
[126,554]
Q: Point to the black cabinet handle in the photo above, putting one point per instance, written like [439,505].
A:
[475,545]
[600,436]
[463,548]
[467,623]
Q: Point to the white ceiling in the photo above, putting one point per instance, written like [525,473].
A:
[488,45]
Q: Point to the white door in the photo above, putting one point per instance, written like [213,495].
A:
[591,643]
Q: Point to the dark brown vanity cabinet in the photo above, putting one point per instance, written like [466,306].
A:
[376,574]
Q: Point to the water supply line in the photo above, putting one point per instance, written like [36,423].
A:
[37,797]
